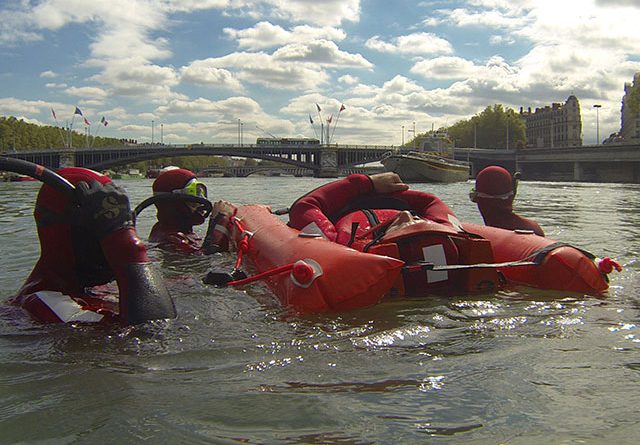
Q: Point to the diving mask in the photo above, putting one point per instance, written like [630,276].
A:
[193,188]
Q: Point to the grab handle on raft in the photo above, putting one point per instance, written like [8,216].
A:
[40,173]
[303,273]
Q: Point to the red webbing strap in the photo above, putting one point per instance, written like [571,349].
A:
[262,275]
[243,244]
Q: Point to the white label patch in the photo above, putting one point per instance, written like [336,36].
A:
[436,256]
[312,230]
[65,308]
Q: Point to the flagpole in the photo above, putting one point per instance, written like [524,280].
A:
[55,119]
[338,117]
[315,133]
[321,123]
[71,131]
[329,129]
[95,135]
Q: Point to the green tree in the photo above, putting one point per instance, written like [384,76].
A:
[20,135]
[490,129]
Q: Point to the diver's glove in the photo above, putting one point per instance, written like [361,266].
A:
[103,209]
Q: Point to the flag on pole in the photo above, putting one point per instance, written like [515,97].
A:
[330,118]
[78,111]
[310,120]
[54,114]
[318,107]
[342,108]
[103,121]
[86,122]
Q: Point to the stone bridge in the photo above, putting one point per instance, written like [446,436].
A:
[593,163]
[324,160]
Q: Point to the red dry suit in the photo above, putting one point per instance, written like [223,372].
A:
[494,193]
[74,259]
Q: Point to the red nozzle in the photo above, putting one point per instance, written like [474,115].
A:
[303,272]
[606,265]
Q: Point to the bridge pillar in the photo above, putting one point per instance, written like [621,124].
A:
[67,160]
[577,171]
[328,163]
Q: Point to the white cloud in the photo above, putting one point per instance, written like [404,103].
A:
[201,72]
[445,68]
[515,18]
[526,52]
[501,40]
[233,106]
[321,52]
[264,69]
[135,78]
[323,13]
[88,93]
[11,106]
[348,79]
[266,35]
[417,44]
[195,5]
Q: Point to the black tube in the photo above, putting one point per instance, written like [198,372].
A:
[40,173]
[172,197]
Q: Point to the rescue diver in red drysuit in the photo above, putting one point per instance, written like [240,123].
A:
[494,193]
[87,244]
[176,218]
[361,202]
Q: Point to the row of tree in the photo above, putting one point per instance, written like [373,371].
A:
[18,135]
[494,127]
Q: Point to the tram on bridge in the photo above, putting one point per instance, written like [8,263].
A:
[286,141]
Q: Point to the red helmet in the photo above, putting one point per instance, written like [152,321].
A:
[68,252]
[172,179]
[179,214]
[494,183]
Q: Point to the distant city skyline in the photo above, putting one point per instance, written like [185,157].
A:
[194,68]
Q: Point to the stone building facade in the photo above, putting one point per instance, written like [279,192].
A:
[558,125]
[630,125]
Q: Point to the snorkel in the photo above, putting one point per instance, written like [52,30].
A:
[204,208]
[40,173]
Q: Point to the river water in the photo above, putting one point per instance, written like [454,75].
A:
[525,367]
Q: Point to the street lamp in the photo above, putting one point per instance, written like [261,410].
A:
[597,107]
[414,135]
[152,132]
[162,134]
[240,123]
[403,135]
[507,134]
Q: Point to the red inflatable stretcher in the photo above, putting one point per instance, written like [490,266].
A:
[557,266]
[310,274]
[331,277]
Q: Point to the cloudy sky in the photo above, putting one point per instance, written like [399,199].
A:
[196,67]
